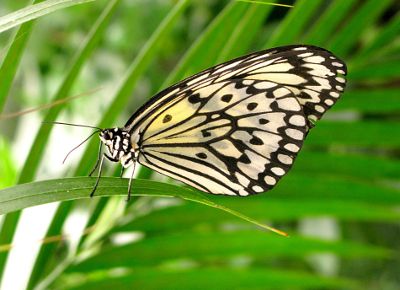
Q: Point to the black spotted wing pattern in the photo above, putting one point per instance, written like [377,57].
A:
[236,128]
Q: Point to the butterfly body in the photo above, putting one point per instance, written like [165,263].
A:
[235,128]
[119,145]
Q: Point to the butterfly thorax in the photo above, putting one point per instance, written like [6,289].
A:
[119,146]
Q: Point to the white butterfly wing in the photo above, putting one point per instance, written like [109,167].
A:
[236,128]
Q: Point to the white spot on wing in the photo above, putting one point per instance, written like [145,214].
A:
[334,94]
[257,188]
[292,147]
[278,171]
[340,80]
[295,134]
[285,159]
[315,59]
[297,120]
[306,54]
[300,48]
[270,180]
[319,108]
[338,64]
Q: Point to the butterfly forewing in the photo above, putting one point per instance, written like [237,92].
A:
[314,75]
[236,128]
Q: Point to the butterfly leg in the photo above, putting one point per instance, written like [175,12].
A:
[98,177]
[130,183]
[97,162]
[122,171]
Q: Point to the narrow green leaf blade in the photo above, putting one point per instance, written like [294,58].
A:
[331,18]
[42,192]
[204,52]
[208,278]
[386,37]
[379,100]
[292,26]
[358,133]
[343,41]
[35,11]
[209,246]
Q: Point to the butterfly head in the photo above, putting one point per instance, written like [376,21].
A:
[119,146]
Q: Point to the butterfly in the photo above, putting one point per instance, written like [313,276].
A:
[235,128]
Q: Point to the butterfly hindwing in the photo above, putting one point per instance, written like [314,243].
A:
[236,128]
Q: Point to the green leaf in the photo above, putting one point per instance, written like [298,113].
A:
[7,168]
[292,26]
[328,187]
[35,11]
[331,18]
[207,278]
[196,218]
[42,192]
[11,61]
[367,168]
[208,247]
[384,70]
[248,28]
[386,134]
[207,47]
[380,100]
[296,196]
[342,42]
[385,37]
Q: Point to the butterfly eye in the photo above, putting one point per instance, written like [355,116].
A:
[108,135]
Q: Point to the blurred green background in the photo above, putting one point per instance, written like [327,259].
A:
[340,203]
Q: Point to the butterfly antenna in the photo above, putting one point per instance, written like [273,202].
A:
[76,147]
[70,124]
